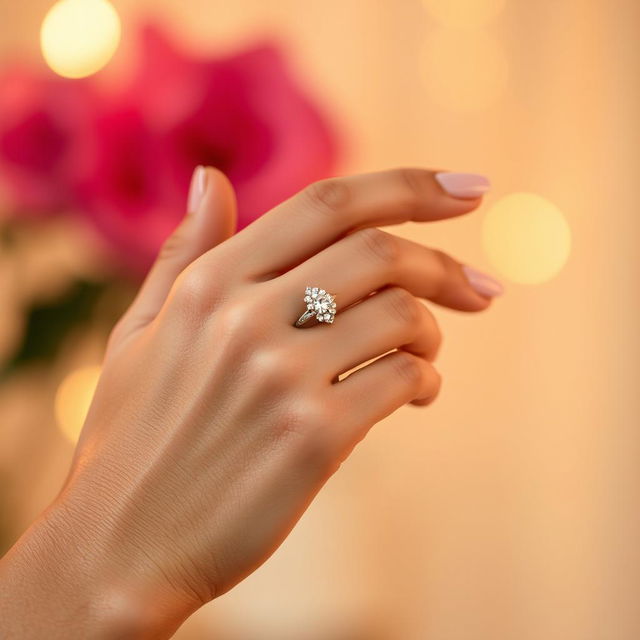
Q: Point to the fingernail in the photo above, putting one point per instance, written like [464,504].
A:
[482,283]
[197,188]
[463,185]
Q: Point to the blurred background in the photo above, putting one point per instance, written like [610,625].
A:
[509,509]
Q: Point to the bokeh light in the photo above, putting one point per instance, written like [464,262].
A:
[464,71]
[73,399]
[464,13]
[79,37]
[526,238]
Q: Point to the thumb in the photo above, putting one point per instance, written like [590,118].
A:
[210,219]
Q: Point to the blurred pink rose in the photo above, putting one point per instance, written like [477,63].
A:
[41,121]
[243,113]
[123,186]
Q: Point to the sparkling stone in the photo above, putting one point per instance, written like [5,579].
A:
[322,305]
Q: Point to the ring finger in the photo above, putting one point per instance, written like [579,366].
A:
[390,319]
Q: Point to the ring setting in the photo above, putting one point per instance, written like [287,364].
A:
[320,304]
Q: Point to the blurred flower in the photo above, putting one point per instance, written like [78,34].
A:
[242,113]
[41,123]
[124,161]
[124,189]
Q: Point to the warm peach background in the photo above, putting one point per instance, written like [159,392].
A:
[508,510]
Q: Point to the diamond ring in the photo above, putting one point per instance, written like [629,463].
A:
[319,304]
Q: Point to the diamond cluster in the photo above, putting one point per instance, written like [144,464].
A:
[320,303]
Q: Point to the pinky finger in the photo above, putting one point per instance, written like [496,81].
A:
[378,389]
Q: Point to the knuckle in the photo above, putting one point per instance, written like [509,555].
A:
[195,292]
[383,247]
[416,183]
[274,365]
[237,321]
[192,292]
[410,369]
[310,421]
[437,338]
[330,194]
[435,386]
[404,307]
[430,389]
[441,270]
[434,333]
[305,415]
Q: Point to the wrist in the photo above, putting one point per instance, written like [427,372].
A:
[61,581]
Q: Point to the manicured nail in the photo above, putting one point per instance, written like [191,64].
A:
[463,185]
[482,283]
[197,188]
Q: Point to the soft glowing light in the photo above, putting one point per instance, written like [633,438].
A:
[79,37]
[526,238]
[464,71]
[73,398]
[464,13]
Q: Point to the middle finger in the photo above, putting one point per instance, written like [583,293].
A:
[329,209]
[371,259]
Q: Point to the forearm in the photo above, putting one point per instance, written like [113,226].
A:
[56,583]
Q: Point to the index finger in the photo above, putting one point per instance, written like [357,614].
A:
[326,210]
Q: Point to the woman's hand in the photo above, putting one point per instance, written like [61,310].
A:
[216,421]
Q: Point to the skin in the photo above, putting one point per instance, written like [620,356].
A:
[215,421]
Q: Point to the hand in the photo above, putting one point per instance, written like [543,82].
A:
[215,421]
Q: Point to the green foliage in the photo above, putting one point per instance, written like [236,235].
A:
[48,324]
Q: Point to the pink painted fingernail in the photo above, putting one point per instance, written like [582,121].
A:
[482,283]
[463,185]
[197,188]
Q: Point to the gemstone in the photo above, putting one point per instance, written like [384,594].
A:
[321,303]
